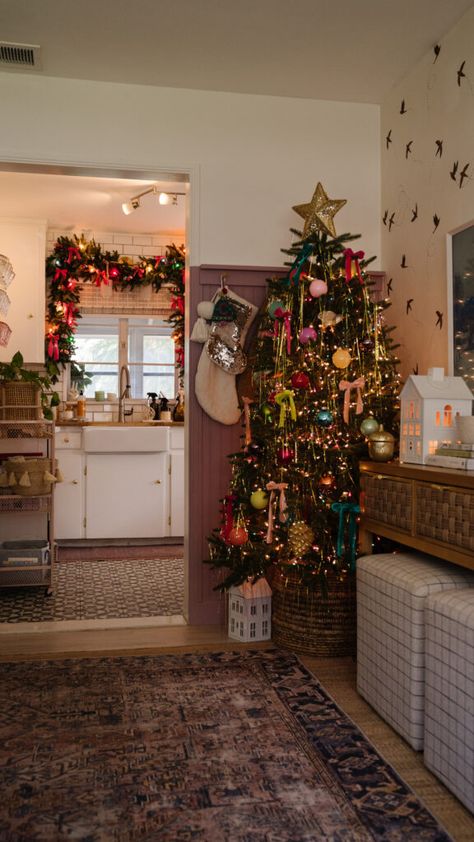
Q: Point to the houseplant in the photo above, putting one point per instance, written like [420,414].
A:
[14,373]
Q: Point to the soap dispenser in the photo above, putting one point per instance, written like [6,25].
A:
[165,413]
[154,406]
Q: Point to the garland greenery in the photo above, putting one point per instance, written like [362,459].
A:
[76,261]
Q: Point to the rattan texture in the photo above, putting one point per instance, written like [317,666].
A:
[141,300]
[309,622]
[35,469]
[389,501]
[446,515]
[20,401]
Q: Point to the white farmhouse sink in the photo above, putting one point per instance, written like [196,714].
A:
[123,439]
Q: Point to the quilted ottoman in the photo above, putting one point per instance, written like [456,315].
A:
[449,691]
[391,594]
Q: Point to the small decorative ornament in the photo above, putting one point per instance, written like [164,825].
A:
[329,318]
[369,425]
[238,536]
[274,306]
[285,455]
[300,537]
[324,418]
[300,380]
[267,411]
[307,334]
[259,499]
[341,358]
[367,344]
[326,481]
[381,445]
[318,288]
[255,447]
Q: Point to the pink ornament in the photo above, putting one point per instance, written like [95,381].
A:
[285,455]
[238,536]
[308,334]
[318,288]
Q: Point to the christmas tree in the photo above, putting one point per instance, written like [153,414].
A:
[324,378]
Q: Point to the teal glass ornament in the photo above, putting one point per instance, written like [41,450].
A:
[324,418]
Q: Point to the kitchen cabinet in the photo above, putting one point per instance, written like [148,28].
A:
[126,495]
[176,470]
[70,495]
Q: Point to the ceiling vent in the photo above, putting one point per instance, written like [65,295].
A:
[19,56]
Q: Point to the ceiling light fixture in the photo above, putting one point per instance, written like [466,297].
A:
[164,198]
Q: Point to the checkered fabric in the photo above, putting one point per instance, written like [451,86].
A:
[391,594]
[449,691]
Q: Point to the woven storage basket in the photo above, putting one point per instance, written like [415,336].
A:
[311,623]
[20,401]
[36,469]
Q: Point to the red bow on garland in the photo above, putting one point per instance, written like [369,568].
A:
[353,256]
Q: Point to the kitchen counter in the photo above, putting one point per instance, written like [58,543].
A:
[117,424]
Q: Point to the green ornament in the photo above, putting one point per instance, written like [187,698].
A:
[369,425]
[267,411]
[259,499]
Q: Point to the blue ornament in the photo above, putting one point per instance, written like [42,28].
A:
[324,418]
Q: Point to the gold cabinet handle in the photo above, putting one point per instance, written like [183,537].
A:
[66,440]
[157,482]
[75,482]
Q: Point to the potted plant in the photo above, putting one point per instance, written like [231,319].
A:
[25,403]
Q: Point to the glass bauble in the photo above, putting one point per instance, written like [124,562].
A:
[259,498]
[254,447]
[307,334]
[274,306]
[367,344]
[237,536]
[299,380]
[318,288]
[267,412]
[341,358]
[324,417]
[326,481]
[369,425]
[285,455]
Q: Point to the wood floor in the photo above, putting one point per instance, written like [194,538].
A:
[336,675]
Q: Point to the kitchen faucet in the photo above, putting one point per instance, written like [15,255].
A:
[124,392]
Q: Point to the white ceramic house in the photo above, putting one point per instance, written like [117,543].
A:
[428,408]
[250,611]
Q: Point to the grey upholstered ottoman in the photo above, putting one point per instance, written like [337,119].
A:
[449,691]
[391,593]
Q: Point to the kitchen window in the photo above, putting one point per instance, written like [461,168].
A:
[145,345]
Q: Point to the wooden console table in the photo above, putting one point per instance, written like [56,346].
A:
[430,509]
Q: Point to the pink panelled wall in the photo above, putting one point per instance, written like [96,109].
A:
[208,443]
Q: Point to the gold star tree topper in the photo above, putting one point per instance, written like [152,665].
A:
[319,213]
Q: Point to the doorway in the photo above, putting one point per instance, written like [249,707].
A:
[87,202]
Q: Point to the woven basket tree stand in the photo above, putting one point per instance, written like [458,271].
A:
[309,622]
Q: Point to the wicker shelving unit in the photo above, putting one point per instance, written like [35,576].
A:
[15,436]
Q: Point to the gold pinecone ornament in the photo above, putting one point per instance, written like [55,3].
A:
[300,537]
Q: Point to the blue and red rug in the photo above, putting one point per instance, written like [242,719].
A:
[227,747]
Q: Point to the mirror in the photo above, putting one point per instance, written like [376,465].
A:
[461,293]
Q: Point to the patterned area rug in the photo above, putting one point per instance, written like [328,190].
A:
[93,590]
[226,747]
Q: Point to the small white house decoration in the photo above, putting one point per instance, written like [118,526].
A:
[250,611]
[429,405]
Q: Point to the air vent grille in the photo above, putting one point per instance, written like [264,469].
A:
[19,55]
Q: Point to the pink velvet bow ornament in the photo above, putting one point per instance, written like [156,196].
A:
[346,386]
[273,488]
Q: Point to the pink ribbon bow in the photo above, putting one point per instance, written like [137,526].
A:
[353,256]
[273,487]
[346,386]
[286,316]
[248,433]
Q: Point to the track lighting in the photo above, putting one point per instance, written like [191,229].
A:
[164,198]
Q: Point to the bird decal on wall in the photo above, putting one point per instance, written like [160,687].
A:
[391,221]
[409,303]
[454,170]
[463,174]
[403,110]
[461,74]
[408,148]
[439,320]
[436,221]
[388,139]
[389,286]
[385,217]
[439,148]
[436,50]
[414,213]
[403,263]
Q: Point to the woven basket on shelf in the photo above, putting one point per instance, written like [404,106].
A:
[35,468]
[311,623]
[20,401]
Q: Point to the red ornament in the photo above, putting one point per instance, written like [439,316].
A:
[238,536]
[285,455]
[299,380]
[271,396]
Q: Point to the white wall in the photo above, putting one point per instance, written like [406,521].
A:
[23,242]
[254,156]
[436,109]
